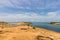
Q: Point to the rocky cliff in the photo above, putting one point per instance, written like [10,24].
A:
[56,23]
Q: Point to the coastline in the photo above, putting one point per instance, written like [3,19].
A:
[27,33]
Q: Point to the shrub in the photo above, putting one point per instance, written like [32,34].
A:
[34,28]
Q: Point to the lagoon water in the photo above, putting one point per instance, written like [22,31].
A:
[47,26]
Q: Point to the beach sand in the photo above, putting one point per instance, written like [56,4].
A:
[27,33]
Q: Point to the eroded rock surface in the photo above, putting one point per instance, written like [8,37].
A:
[27,33]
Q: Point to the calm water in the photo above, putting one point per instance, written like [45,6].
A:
[46,25]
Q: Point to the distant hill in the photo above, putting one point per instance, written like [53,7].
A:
[56,23]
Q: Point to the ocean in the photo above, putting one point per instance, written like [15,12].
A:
[47,26]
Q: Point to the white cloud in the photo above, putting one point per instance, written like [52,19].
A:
[51,16]
[39,4]
[5,2]
[24,17]
[52,4]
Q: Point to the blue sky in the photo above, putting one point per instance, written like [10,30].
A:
[30,10]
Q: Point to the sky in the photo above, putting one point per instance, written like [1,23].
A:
[30,10]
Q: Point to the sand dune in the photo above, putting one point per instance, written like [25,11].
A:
[27,33]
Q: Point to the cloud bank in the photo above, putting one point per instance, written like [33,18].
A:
[30,10]
[51,16]
[29,5]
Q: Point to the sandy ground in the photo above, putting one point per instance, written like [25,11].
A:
[27,33]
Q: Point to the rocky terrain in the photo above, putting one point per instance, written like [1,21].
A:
[56,23]
[26,32]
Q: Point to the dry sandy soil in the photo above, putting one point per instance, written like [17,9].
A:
[27,33]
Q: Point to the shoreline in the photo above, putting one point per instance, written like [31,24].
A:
[21,32]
